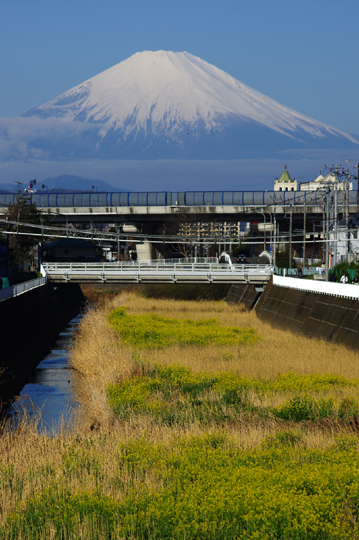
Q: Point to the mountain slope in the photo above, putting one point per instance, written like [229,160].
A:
[72,182]
[166,104]
[66,182]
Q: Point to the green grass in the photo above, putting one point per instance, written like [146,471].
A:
[155,332]
[177,395]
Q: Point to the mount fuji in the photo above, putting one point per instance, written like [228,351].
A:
[166,105]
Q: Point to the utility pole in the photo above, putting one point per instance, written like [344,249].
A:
[274,233]
[347,180]
[7,251]
[271,229]
[340,198]
[264,230]
[290,236]
[265,247]
[304,230]
[327,235]
[324,225]
[335,221]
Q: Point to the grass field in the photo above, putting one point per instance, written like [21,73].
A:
[198,421]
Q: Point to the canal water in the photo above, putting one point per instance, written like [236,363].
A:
[48,394]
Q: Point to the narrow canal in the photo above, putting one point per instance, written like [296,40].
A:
[48,394]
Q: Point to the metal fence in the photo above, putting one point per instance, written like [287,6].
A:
[21,288]
[293,272]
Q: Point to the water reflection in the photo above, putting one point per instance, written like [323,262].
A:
[49,388]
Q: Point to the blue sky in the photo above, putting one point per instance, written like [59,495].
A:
[304,54]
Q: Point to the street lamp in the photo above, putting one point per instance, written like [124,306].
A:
[264,222]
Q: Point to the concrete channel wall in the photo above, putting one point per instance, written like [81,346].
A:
[330,317]
[244,294]
[30,323]
[21,288]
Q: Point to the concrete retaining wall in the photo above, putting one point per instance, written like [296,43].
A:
[244,294]
[30,323]
[322,316]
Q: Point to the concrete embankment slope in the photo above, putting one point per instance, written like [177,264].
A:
[29,325]
[244,294]
[331,317]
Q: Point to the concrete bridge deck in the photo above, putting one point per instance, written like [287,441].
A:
[156,272]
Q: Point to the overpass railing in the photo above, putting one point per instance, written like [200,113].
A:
[185,260]
[157,266]
[153,271]
[21,288]
[186,198]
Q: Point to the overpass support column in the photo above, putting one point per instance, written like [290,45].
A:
[146,251]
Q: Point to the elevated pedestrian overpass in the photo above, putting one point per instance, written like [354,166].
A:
[156,272]
[159,207]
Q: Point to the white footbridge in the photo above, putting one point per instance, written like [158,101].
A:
[156,272]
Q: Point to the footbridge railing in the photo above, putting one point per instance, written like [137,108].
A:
[21,288]
[157,272]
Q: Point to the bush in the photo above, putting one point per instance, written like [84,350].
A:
[306,408]
[349,268]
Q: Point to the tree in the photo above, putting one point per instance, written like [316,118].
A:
[22,212]
[282,260]
[184,230]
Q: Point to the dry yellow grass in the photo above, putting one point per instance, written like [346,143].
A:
[279,351]
[99,358]
[29,455]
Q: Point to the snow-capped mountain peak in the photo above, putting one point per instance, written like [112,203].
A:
[165,95]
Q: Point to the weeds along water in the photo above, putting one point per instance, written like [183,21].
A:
[197,421]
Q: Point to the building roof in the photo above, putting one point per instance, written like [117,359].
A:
[69,243]
[319,178]
[285,177]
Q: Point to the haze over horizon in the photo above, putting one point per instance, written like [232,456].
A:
[278,49]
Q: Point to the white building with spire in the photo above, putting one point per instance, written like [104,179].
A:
[285,182]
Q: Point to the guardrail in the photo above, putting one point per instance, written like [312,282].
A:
[21,288]
[324,287]
[156,271]
[185,260]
